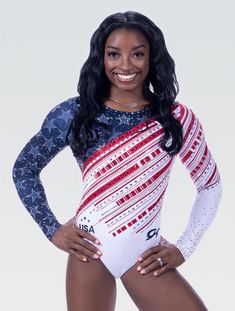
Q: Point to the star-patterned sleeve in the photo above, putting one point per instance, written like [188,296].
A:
[197,158]
[36,154]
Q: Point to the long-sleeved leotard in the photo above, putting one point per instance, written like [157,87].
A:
[125,176]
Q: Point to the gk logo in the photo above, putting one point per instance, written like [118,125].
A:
[152,233]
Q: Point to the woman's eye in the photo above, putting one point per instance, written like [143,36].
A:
[112,54]
[139,54]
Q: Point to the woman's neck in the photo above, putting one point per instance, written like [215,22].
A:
[127,96]
[126,101]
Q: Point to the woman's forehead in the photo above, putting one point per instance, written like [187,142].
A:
[127,36]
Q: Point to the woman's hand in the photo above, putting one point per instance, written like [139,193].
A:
[70,239]
[170,258]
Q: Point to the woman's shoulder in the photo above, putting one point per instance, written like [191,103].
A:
[181,111]
[70,104]
[179,108]
[186,116]
[66,109]
[61,115]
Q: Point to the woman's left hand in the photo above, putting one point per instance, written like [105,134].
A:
[158,259]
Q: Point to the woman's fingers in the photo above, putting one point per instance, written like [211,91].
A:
[162,270]
[151,263]
[71,239]
[152,258]
[92,253]
[82,245]
[149,252]
[149,267]
[152,254]
[87,236]
[159,259]
[77,255]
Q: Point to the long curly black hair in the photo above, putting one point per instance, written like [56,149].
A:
[160,86]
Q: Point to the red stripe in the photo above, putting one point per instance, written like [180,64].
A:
[142,213]
[185,158]
[148,182]
[189,128]
[132,150]
[196,155]
[187,151]
[114,151]
[142,172]
[202,160]
[212,176]
[118,139]
[109,184]
[133,159]
[128,207]
[148,221]
[184,112]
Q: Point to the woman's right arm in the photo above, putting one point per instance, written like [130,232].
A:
[36,154]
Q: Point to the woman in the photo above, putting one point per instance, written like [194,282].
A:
[125,130]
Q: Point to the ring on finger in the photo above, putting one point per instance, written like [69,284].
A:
[160,261]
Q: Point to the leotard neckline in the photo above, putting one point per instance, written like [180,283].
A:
[143,110]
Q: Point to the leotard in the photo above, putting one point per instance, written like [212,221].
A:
[125,176]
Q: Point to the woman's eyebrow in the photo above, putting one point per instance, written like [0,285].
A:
[139,46]
[134,48]
[112,47]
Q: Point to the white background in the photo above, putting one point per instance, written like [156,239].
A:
[43,46]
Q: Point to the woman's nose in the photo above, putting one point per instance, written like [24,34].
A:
[125,62]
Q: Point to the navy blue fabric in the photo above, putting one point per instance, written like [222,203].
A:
[49,141]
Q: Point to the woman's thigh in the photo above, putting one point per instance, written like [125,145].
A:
[89,286]
[167,292]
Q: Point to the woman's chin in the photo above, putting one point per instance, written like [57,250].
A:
[127,86]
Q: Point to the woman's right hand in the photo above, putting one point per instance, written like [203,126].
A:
[70,238]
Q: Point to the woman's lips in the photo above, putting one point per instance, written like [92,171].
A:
[125,77]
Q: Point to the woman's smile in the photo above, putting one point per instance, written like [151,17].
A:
[126,77]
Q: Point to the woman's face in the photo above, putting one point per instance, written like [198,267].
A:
[126,59]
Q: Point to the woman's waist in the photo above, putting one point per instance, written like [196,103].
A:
[122,235]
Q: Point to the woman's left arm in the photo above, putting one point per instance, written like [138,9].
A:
[197,158]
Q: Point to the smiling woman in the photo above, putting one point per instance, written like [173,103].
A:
[126,63]
[126,58]
[125,130]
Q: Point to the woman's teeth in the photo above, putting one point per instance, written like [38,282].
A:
[126,77]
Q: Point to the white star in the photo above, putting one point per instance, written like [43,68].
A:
[35,195]
[123,119]
[103,119]
[50,125]
[49,144]
[34,210]
[66,116]
[34,151]
[19,184]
